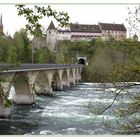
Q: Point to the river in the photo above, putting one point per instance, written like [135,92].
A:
[68,113]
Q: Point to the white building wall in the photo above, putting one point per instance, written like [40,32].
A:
[85,33]
[80,36]
[77,36]
[53,36]
[63,35]
[118,35]
[51,39]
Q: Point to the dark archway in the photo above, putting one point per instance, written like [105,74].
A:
[82,61]
[64,76]
[71,73]
[55,81]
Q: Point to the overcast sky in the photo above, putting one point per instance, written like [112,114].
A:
[81,13]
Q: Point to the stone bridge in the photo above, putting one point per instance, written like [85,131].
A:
[29,79]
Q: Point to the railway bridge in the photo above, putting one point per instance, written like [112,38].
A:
[28,79]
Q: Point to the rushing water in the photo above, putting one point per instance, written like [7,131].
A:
[67,113]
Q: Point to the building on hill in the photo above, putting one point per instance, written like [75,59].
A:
[84,32]
[79,32]
[116,31]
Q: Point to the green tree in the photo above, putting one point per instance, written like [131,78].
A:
[12,57]
[26,48]
[21,41]
[50,56]
[33,18]
[23,45]
[42,56]
[4,44]
[60,59]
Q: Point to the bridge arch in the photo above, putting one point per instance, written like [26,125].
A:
[56,81]
[72,76]
[82,60]
[23,91]
[71,73]
[65,79]
[78,74]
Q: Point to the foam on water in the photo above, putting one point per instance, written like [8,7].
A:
[67,113]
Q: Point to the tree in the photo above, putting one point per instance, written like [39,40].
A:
[135,37]
[42,56]
[4,45]
[23,45]
[60,56]
[33,18]
[21,41]
[12,57]
[26,48]
[134,20]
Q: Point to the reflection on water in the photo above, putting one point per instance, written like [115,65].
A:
[66,113]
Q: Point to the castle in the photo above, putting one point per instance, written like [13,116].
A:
[79,32]
[75,32]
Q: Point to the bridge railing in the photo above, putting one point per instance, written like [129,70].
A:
[27,67]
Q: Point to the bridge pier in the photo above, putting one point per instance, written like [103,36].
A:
[43,83]
[65,79]
[50,76]
[78,74]
[71,77]
[65,84]
[23,90]
[4,112]
[72,81]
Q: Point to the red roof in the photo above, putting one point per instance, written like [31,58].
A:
[85,28]
[109,26]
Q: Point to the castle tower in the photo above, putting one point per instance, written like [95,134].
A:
[1,26]
[51,37]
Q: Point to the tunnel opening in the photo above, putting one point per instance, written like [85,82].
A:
[82,61]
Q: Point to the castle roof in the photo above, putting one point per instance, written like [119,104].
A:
[90,28]
[85,28]
[51,26]
[109,26]
[37,32]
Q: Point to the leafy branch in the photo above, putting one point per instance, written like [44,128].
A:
[3,96]
[33,18]
[134,19]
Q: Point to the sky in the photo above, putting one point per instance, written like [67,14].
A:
[78,12]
